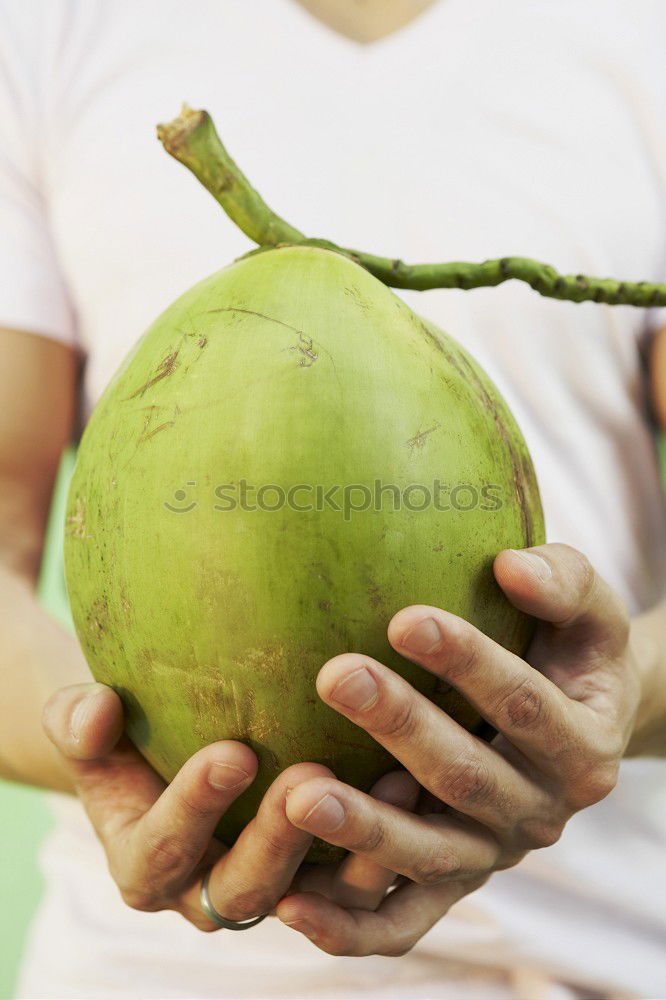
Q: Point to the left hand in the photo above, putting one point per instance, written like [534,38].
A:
[564,717]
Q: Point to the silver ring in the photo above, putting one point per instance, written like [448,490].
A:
[217,918]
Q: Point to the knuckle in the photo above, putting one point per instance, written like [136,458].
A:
[437,867]
[523,706]
[247,903]
[509,859]
[615,747]
[339,947]
[350,949]
[398,949]
[138,899]
[372,840]
[398,721]
[466,653]
[466,782]
[195,916]
[535,834]
[594,785]
[277,846]
[167,854]
[192,807]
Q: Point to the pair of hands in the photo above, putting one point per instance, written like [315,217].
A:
[461,810]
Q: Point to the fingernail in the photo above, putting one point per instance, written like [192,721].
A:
[424,637]
[303,926]
[537,564]
[83,712]
[358,690]
[222,775]
[327,815]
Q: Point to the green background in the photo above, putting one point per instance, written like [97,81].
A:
[25,819]
[24,815]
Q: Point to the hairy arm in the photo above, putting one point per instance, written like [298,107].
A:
[38,389]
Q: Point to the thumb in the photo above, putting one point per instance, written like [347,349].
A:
[557,584]
[84,721]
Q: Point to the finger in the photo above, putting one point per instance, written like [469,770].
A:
[425,849]
[527,708]
[98,756]
[250,879]
[154,834]
[557,584]
[156,854]
[358,881]
[455,766]
[84,721]
[399,923]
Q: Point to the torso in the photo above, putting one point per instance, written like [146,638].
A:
[366,20]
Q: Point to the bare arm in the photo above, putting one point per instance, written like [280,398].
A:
[658,376]
[649,629]
[38,389]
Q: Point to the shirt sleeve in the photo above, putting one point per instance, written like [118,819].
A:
[33,294]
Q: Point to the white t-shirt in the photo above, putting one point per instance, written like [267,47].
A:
[479,130]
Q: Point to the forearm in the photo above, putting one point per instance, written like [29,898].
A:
[648,637]
[36,658]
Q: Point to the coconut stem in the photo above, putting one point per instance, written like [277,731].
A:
[192,139]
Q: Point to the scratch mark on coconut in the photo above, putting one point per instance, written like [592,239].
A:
[126,606]
[209,701]
[271,664]
[375,595]
[155,661]
[305,345]
[188,337]
[306,348]
[98,618]
[165,368]
[147,432]
[291,747]
[192,332]
[253,312]
[236,706]
[263,726]
[356,297]
[146,436]
[420,439]
[76,522]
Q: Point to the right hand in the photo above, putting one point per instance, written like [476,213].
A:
[159,839]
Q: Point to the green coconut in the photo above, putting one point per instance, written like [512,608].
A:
[287,457]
